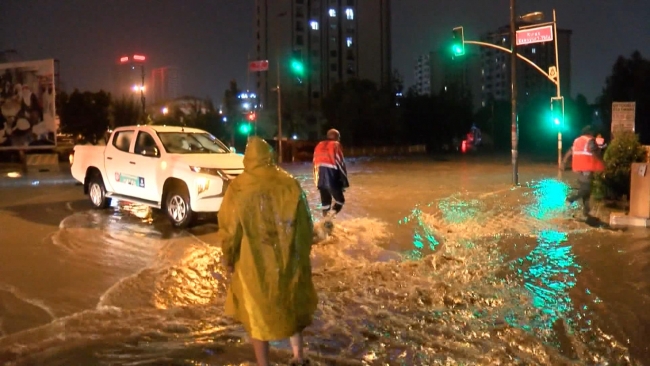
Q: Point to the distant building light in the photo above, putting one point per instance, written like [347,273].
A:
[332,13]
[243,96]
[295,137]
[349,13]
[348,41]
[246,106]
[534,50]
[253,96]
[139,57]
[314,25]
[124,59]
[225,119]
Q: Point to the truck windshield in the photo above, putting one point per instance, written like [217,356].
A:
[192,143]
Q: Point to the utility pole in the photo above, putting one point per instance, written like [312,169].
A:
[279,116]
[513,99]
[144,113]
[559,95]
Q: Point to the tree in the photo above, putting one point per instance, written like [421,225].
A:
[85,114]
[362,113]
[125,111]
[624,150]
[232,109]
[629,82]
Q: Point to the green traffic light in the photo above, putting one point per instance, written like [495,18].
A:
[297,67]
[556,121]
[458,50]
[245,128]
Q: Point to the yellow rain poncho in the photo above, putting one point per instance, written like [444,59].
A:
[265,229]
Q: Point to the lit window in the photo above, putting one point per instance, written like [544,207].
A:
[349,13]
[534,51]
[348,41]
[332,13]
[314,25]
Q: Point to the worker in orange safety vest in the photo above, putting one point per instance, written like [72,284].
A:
[586,161]
[330,173]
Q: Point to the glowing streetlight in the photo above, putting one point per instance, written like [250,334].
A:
[165,110]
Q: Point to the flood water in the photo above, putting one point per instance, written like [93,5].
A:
[431,263]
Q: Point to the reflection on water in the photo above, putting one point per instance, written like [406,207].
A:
[549,199]
[455,210]
[423,235]
[549,272]
[450,306]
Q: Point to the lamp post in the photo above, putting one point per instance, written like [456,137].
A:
[514,128]
[277,88]
[142,94]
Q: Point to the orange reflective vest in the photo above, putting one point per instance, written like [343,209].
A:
[583,159]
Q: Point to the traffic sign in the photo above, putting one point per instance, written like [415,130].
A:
[623,115]
[259,65]
[535,35]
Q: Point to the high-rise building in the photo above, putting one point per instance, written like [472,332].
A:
[129,76]
[332,40]
[495,67]
[423,74]
[442,72]
[165,84]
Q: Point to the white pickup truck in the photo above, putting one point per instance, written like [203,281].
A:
[180,170]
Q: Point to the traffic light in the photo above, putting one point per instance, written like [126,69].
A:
[557,110]
[252,116]
[297,66]
[245,128]
[458,45]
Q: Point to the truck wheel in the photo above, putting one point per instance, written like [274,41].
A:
[178,207]
[97,192]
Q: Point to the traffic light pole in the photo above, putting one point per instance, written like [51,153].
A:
[279,116]
[559,95]
[555,79]
[514,129]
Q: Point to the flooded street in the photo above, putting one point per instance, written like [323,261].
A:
[431,263]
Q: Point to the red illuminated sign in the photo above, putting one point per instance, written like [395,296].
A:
[261,65]
[124,59]
[139,57]
[535,35]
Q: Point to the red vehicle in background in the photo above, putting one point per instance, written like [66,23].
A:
[472,140]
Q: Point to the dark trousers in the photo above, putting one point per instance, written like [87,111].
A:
[327,195]
[584,191]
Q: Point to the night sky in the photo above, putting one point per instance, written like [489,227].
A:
[209,40]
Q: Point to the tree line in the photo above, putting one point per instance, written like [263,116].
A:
[368,115]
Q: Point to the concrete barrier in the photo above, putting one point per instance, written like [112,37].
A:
[40,163]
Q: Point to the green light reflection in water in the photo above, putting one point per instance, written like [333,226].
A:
[550,199]
[423,235]
[549,271]
[458,211]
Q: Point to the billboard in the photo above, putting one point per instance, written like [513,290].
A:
[27,108]
[623,116]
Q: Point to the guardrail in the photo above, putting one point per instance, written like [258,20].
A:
[385,150]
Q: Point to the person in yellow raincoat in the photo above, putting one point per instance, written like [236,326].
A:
[266,233]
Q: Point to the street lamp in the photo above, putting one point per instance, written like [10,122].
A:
[165,110]
[514,127]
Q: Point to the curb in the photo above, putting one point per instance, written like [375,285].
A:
[36,181]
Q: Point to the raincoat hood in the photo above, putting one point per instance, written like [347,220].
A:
[258,154]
